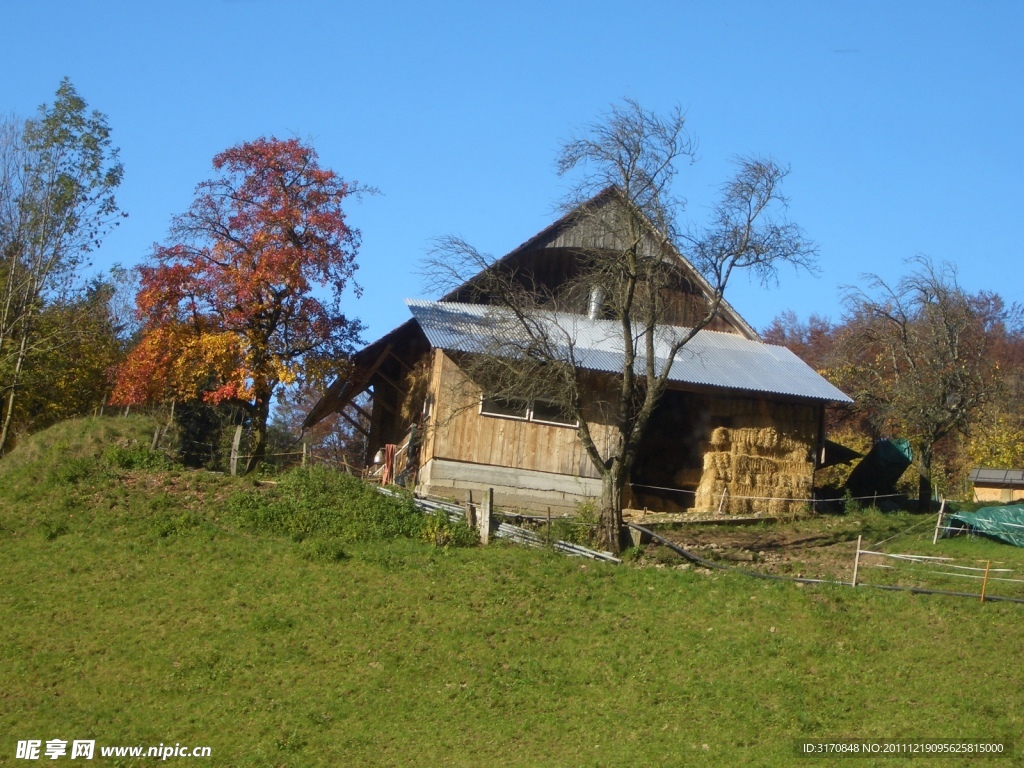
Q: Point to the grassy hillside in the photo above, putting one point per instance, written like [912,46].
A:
[142,604]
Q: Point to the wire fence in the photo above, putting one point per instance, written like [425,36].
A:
[937,571]
[811,501]
[983,595]
[904,568]
[172,438]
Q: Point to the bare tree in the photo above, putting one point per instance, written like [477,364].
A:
[918,356]
[623,167]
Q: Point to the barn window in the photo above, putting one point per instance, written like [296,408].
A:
[540,411]
[505,407]
[546,412]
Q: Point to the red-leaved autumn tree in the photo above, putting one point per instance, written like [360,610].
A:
[229,310]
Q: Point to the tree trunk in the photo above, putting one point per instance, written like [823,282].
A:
[260,416]
[5,430]
[609,533]
[924,480]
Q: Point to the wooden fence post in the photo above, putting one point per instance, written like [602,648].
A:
[234,450]
[938,524]
[483,521]
[856,562]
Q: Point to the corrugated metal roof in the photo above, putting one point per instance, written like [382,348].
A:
[1003,477]
[711,358]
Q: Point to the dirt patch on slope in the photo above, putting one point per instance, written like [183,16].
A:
[821,554]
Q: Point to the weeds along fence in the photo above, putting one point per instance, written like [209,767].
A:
[487,521]
[903,572]
[225,444]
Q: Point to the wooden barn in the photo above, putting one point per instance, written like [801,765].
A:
[740,430]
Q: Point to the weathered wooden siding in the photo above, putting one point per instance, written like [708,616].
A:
[700,444]
[459,432]
[552,270]
[551,261]
[513,488]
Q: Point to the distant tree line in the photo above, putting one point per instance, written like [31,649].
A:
[241,308]
[924,360]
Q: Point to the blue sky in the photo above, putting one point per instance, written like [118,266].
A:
[901,121]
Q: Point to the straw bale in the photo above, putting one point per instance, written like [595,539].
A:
[760,469]
[415,385]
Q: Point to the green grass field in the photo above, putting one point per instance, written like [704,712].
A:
[144,605]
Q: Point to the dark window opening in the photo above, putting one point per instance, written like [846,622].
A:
[551,413]
[505,407]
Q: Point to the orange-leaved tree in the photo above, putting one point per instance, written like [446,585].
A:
[247,297]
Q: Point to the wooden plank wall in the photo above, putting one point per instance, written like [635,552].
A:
[459,432]
[685,306]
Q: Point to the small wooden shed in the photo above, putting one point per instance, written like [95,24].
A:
[997,484]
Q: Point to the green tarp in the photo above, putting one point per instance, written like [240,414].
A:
[1003,523]
[878,472]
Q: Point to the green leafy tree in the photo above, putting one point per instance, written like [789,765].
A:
[58,173]
[67,371]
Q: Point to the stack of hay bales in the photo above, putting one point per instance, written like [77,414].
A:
[762,467]
[414,384]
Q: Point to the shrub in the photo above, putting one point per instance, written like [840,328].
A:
[320,549]
[441,531]
[134,457]
[202,435]
[851,505]
[324,502]
[168,524]
[75,471]
[51,529]
[580,529]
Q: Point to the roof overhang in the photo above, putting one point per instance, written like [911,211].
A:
[999,478]
[360,370]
